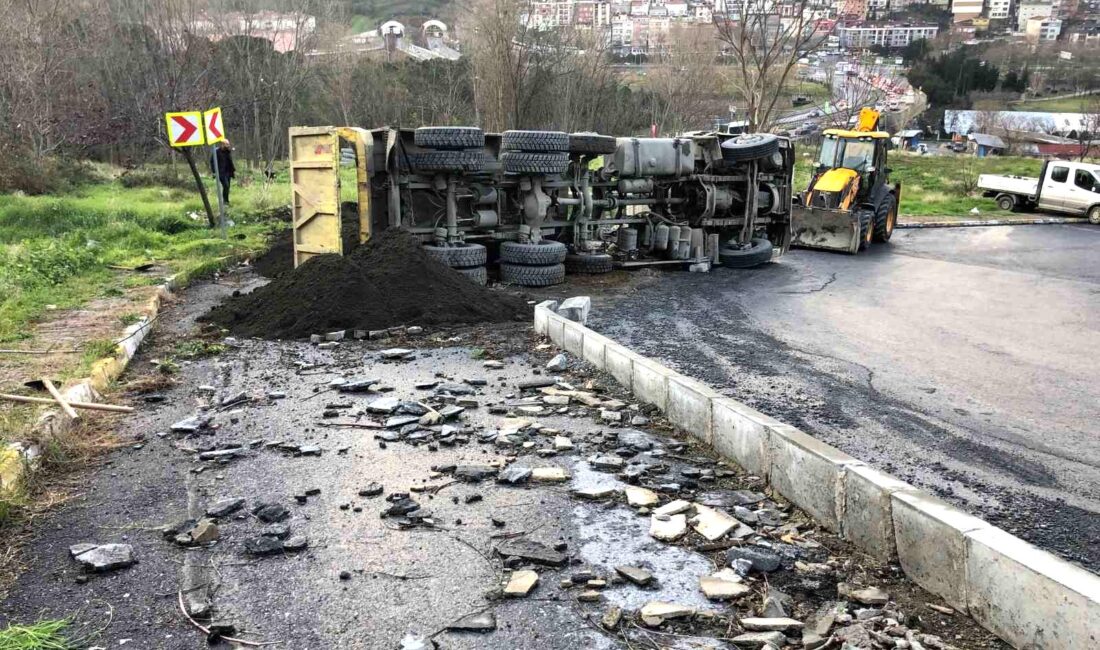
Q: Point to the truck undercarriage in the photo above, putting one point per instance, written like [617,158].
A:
[553,200]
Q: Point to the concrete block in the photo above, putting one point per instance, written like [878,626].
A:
[741,434]
[689,406]
[808,472]
[650,382]
[573,339]
[542,316]
[1029,597]
[619,363]
[931,544]
[576,309]
[867,518]
[555,329]
[593,348]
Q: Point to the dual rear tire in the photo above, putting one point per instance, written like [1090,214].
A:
[532,264]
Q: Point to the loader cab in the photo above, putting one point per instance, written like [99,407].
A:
[844,157]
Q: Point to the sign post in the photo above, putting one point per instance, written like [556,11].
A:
[185,130]
[214,131]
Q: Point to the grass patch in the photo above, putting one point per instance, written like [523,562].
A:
[937,185]
[56,249]
[43,635]
[1082,104]
[197,349]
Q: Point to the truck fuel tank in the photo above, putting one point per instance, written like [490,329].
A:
[644,157]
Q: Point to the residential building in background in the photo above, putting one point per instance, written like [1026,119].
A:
[865,35]
[1042,29]
[966,9]
[1029,9]
[998,9]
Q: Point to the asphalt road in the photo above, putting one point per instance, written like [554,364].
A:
[964,360]
[398,579]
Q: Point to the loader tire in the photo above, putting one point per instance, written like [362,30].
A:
[590,263]
[866,227]
[449,137]
[532,276]
[591,144]
[760,252]
[522,162]
[750,146]
[446,161]
[886,217]
[459,256]
[541,254]
[534,141]
[476,274]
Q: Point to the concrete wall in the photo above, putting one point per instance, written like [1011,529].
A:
[1028,597]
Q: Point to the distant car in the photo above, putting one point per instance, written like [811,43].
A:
[958,147]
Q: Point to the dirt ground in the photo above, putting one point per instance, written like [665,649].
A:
[365,580]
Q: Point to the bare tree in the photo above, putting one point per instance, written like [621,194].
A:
[764,48]
[686,82]
[1089,132]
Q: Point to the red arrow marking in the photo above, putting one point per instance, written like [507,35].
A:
[188,127]
[214,125]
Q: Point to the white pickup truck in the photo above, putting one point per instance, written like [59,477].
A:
[1062,186]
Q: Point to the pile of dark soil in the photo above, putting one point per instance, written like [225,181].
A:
[387,282]
[279,256]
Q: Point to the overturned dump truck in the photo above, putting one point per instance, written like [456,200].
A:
[545,203]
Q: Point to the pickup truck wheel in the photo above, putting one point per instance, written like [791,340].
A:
[1006,202]
[759,252]
[885,217]
[1094,215]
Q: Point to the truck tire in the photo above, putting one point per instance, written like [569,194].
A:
[760,252]
[446,161]
[886,217]
[449,137]
[750,146]
[532,276]
[1094,214]
[590,263]
[534,141]
[591,144]
[541,254]
[458,256]
[1006,202]
[476,274]
[866,227]
[522,162]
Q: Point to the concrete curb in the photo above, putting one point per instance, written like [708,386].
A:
[52,423]
[1024,595]
[977,223]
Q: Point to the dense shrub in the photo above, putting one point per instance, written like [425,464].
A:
[25,173]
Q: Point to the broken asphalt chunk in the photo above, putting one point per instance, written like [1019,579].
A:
[761,560]
[532,552]
[103,557]
[637,575]
[761,640]
[384,405]
[400,421]
[667,528]
[655,612]
[514,475]
[724,585]
[224,508]
[270,513]
[520,583]
[480,622]
[263,545]
[474,473]
[396,353]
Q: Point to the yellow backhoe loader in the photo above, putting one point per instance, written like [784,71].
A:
[849,202]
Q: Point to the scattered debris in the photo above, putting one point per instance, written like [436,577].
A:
[576,309]
[723,585]
[558,364]
[655,612]
[521,583]
[480,622]
[532,552]
[638,576]
[667,528]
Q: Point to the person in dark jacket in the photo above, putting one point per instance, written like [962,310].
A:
[226,171]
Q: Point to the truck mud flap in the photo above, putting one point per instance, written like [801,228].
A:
[821,228]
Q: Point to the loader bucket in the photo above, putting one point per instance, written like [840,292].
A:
[833,230]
